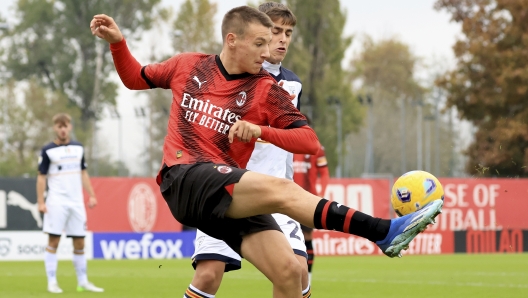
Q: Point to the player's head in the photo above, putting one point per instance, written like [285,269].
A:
[283,22]
[62,126]
[246,33]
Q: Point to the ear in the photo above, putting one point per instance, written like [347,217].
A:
[231,39]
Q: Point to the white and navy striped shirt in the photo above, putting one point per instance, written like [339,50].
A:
[63,165]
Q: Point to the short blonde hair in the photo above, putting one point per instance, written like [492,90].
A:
[62,119]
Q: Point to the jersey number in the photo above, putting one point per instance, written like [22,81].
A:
[293,233]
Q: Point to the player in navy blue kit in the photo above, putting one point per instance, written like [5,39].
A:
[62,164]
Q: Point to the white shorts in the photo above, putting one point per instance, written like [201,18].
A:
[209,248]
[70,219]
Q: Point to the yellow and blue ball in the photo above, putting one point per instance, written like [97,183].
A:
[413,190]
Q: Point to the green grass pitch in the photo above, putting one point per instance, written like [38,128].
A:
[497,275]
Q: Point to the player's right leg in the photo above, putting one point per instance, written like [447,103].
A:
[211,258]
[54,221]
[277,195]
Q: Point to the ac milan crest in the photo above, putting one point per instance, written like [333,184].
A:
[224,169]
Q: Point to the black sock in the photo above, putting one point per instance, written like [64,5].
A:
[330,215]
[309,251]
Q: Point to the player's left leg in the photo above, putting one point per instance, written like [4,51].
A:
[283,196]
[271,254]
[76,229]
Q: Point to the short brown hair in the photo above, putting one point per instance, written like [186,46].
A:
[237,19]
[277,11]
[62,119]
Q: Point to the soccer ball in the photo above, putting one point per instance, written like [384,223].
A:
[413,190]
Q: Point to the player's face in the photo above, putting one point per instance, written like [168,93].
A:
[252,48]
[63,131]
[280,40]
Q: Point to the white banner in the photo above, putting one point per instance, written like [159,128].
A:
[30,245]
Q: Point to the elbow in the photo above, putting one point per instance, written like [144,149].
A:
[314,145]
[313,148]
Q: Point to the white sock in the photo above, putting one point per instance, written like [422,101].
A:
[50,263]
[79,262]
[201,293]
[306,291]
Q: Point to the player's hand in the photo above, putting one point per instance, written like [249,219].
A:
[244,131]
[92,202]
[42,208]
[106,28]
[292,96]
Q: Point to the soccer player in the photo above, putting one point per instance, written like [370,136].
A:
[307,168]
[61,163]
[212,256]
[221,105]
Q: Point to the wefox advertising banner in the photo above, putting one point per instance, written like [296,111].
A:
[143,245]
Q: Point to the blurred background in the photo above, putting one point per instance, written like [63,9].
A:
[391,87]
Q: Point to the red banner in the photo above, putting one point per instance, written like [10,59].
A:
[479,216]
[370,196]
[129,205]
[483,204]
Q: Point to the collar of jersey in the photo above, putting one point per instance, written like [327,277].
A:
[227,76]
[274,69]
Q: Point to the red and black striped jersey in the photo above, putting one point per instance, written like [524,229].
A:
[207,101]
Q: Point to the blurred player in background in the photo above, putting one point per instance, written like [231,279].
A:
[212,256]
[221,105]
[307,169]
[62,164]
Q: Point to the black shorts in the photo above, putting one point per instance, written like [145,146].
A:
[197,197]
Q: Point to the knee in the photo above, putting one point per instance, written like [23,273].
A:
[290,272]
[283,190]
[208,276]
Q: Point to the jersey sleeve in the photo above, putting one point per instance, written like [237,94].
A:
[43,162]
[320,160]
[83,163]
[159,75]
[279,111]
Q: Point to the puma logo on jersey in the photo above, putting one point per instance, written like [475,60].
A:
[198,81]
[241,98]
